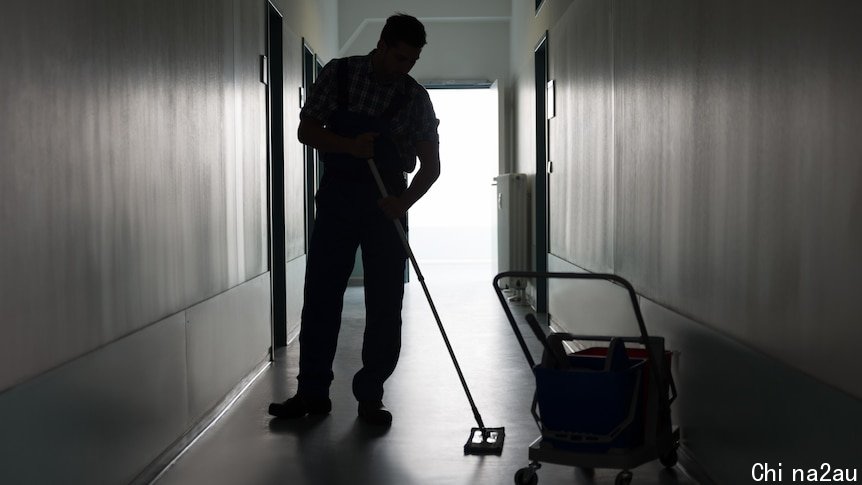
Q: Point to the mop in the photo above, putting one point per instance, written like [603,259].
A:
[482,440]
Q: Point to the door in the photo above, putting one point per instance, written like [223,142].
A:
[309,75]
[542,185]
[272,75]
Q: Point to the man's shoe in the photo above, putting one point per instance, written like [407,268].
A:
[375,413]
[298,406]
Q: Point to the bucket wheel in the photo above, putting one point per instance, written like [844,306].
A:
[623,478]
[527,475]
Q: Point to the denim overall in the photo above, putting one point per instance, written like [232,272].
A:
[348,217]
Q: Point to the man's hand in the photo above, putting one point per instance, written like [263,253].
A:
[363,145]
[393,207]
[429,171]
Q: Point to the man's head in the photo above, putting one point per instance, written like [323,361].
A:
[403,28]
[400,44]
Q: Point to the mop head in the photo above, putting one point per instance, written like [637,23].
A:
[485,441]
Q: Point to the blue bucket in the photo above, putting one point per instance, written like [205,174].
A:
[581,404]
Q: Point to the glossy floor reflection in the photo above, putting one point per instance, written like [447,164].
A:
[432,418]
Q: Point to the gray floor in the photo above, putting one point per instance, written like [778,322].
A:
[432,418]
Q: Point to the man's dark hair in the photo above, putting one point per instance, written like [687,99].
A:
[403,28]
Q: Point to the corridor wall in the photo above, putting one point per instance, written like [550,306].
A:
[706,151]
[134,267]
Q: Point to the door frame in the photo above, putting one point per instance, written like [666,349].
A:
[542,189]
[272,75]
[310,155]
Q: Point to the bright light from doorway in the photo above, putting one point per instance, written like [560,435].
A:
[457,220]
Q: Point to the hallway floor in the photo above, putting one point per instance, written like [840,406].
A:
[432,418]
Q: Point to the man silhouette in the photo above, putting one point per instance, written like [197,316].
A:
[362,107]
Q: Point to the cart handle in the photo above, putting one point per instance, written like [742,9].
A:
[654,358]
[583,276]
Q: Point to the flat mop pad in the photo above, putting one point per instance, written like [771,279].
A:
[485,441]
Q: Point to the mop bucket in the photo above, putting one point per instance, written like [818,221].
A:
[603,406]
[594,404]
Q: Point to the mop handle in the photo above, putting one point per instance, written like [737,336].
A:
[406,244]
[398,226]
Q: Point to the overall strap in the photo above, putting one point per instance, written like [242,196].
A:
[398,101]
[343,84]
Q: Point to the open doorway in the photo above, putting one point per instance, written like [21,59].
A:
[456,221]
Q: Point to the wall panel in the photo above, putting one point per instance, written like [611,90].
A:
[248,134]
[227,337]
[581,136]
[131,183]
[661,196]
[738,170]
[294,155]
[102,417]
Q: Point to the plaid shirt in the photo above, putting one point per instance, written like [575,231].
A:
[415,121]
